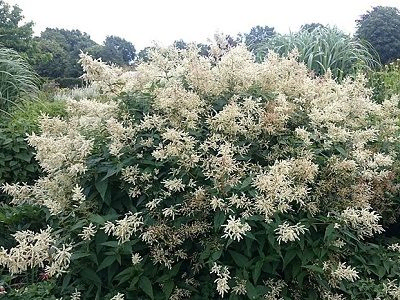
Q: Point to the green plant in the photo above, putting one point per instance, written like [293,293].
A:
[325,48]
[37,291]
[17,161]
[17,80]
[386,81]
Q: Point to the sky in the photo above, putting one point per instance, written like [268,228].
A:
[164,21]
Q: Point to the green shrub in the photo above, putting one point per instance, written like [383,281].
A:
[216,177]
[17,163]
[37,291]
[386,82]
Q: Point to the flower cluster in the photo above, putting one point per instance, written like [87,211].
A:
[36,250]
[223,276]
[339,271]
[345,272]
[275,289]
[363,221]
[118,296]
[235,229]
[289,233]
[88,232]
[392,289]
[123,229]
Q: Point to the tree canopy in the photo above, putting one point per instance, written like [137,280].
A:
[117,50]
[258,35]
[13,34]
[64,47]
[381,28]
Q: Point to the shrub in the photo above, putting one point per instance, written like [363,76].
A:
[17,161]
[203,178]
[17,164]
[385,82]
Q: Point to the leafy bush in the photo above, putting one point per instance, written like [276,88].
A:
[17,161]
[325,48]
[214,177]
[17,164]
[386,82]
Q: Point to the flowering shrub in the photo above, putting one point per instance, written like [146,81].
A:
[208,177]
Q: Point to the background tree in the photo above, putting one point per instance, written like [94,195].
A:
[204,49]
[62,47]
[258,35]
[180,44]
[257,39]
[381,28]
[19,36]
[143,54]
[13,34]
[116,50]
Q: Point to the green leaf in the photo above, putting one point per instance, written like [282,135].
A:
[24,156]
[341,150]
[219,219]
[101,187]
[78,225]
[125,275]
[111,172]
[167,288]
[240,260]
[145,285]
[252,292]
[113,244]
[314,268]
[289,256]
[257,270]
[216,255]
[66,280]
[91,276]
[175,269]
[246,183]
[106,262]
[328,232]
[77,255]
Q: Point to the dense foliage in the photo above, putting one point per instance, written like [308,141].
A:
[380,27]
[64,47]
[386,81]
[257,37]
[13,34]
[207,177]
[118,51]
